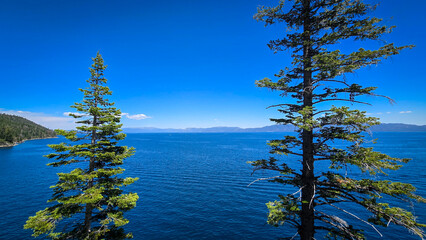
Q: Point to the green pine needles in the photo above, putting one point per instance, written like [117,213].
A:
[317,77]
[87,202]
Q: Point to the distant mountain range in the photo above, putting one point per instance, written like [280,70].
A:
[273,128]
[398,127]
[384,127]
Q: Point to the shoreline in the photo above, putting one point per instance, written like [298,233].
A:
[17,143]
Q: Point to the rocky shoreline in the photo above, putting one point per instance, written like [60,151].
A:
[7,145]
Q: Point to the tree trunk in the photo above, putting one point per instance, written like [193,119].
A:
[87,218]
[307,229]
[89,206]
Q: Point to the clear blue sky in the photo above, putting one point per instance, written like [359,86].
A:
[186,63]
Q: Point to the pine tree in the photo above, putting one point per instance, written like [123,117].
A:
[87,202]
[319,74]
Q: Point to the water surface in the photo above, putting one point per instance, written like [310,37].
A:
[192,185]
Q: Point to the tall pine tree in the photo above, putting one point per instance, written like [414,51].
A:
[318,75]
[89,196]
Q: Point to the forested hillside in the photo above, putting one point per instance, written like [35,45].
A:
[14,129]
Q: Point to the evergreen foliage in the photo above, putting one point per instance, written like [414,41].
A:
[318,75]
[89,196]
[15,129]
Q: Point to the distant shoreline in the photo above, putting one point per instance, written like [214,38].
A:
[419,132]
[384,127]
[17,143]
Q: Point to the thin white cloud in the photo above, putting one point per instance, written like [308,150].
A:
[49,121]
[58,122]
[67,114]
[388,112]
[403,112]
[136,116]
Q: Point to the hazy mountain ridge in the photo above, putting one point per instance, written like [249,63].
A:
[273,128]
[384,127]
[398,127]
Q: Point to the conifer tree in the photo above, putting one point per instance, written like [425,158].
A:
[319,74]
[87,202]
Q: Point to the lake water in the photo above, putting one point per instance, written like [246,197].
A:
[192,186]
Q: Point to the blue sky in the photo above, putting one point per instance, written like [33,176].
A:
[186,63]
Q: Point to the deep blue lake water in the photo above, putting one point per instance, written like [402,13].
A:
[192,186]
